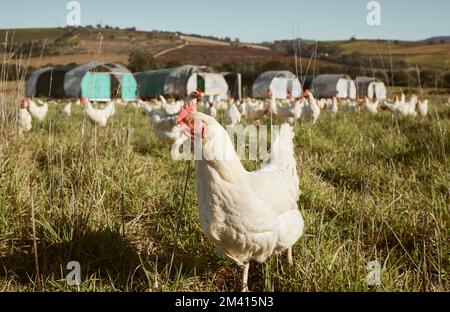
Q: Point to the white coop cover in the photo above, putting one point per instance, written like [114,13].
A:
[342,88]
[380,91]
[371,87]
[351,90]
[327,86]
[279,88]
[215,84]
[279,82]
[180,81]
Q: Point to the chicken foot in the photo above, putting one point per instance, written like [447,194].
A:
[245,269]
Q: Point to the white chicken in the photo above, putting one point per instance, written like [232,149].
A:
[168,131]
[333,108]
[255,111]
[163,125]
[285,113]
[148,107]
[247,215]
[422,108]
[211,110]
[243,107]
[322,103]
[24,119]
[171,108]
[353,106]
[233,114]
[67,109]
[37,112]
[402,107]
[311,110]
[99,117]
[372,107]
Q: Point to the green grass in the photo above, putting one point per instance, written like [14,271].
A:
[371,190]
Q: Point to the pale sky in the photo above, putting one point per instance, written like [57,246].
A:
[249,20]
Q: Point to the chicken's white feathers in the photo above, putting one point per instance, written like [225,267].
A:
[67,109]
[233,115]
[422,108]
[37,112]
[24,121]
[247,215]
[100,117]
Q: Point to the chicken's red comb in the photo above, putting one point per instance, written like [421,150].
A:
[197,93]
[186,111]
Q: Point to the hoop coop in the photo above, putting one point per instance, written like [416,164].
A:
[280,83]
[371,87]
[327,86]
[181,81]
[95,80]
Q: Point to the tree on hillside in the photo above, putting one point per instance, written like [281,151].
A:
[141,61]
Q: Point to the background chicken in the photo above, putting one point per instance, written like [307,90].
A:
[168,131]
[255,111]
[422,108]
[38,112]
[67,109]
[333,108]
[312,109]
[285,113]
[99,117]
[233,114]
[353,106]
[403,108]
[246,215]
[211,110]
[171,108]
[372,107]
[24,119]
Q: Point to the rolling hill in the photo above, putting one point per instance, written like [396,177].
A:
[61,46]
[77,45]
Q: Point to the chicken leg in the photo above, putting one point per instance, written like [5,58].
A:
[289,256]
[245,277]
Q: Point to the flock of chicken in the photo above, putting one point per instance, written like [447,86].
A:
[304,109]
[248,216]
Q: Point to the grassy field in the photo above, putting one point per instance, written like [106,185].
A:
[111,199]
